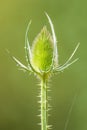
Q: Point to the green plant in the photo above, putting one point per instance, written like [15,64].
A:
[42,61]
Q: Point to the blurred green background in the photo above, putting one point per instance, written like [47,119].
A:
[18,90]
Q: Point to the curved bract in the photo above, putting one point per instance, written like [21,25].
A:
[42,57]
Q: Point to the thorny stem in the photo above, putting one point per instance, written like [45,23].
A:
[44,103]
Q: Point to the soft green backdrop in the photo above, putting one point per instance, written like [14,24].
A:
[18,90]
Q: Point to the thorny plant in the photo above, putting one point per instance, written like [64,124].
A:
[42,60]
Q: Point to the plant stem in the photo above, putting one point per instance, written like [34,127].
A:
[44,104]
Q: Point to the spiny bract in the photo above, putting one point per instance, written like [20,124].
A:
[42,58]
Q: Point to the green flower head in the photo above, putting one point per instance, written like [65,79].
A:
[42,51]
[42,57]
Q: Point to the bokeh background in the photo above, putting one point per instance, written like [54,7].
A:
[18,90]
